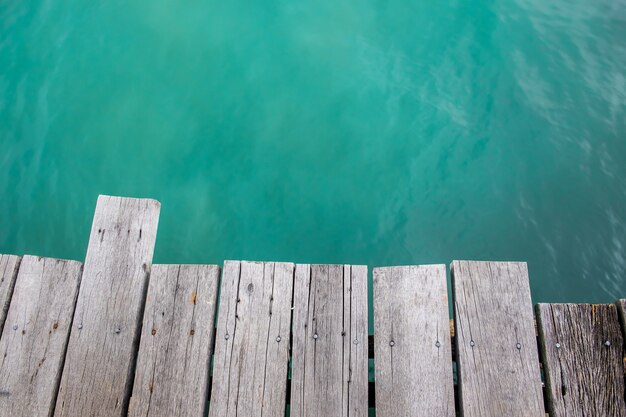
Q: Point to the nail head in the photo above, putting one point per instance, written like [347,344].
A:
[392,343]
[472,344]
[315,336]
[278,339]
[437,344]
[607,343]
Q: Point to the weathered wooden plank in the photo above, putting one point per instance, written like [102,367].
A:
[99,366]
[371,337]
[621,310]
[9,264]
[252,345]
[497,359]
[414,373]
[34,340]
[581,346]
[329,358]
[172,376]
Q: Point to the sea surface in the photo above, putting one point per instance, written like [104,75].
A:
[366,132]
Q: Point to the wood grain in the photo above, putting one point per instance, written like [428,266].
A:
[98,373]
[33,344]
[621,310]
[329,359]
[252,345]
[9,265]
[582,347]
[172,375]
[414,372]
[497,359]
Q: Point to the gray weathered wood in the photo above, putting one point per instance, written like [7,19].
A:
[621,310]
[32,347]
[172,375]
[414,373]
[98,370]
[497,359]
[252,345]
[329,356]
[9,264]
[582,347]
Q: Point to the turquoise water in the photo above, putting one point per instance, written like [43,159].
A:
[382,133]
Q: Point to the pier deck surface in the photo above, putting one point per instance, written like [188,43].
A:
[118,336]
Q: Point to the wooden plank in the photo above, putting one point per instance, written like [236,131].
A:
[497,359]
[252,345]
[370,342]
[172,376]
[581,346]
[621,310]
[9,264]
[329,359]
[102,349]
[34,340]
[414,372]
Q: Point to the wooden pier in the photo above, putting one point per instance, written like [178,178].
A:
[117,336]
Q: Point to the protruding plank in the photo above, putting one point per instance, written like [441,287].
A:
[252,346]
[172,376]
[582,347]
[9,264]
[497,359]
[329,358]
[32,347]
[414,373]
[98,370]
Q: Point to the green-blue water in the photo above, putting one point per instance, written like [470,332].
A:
[371,132]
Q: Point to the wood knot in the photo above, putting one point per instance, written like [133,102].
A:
[153,332]
[55,325]
[250,288]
